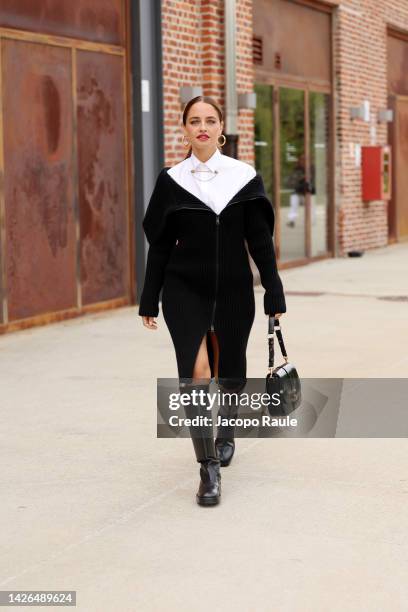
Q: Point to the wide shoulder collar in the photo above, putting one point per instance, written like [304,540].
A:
[252,189]
[169,196]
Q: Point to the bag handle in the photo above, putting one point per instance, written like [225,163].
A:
[272,325]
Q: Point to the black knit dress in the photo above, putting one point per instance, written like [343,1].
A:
[199,259]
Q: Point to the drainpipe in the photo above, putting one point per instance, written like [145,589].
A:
[231,99]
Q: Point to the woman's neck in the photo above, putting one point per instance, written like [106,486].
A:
[204,156]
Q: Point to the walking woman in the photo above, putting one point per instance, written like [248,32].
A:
[201,213]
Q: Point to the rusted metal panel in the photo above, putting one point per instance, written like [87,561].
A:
[102,177]
[397,54]
[39,204]
[94,20]
[2,289]
[3,295]
[296,39]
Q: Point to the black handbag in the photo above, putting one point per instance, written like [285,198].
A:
[283,379]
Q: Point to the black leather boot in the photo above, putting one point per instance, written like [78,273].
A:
[202,435]
[228,410]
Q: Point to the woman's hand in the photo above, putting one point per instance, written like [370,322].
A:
[276,316]
[149,322]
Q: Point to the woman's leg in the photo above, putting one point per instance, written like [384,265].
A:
[216,353]
[202,365]
[294,207]
[224,441]
[209,490]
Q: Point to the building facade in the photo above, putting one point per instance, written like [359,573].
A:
[310,63]
[91,98]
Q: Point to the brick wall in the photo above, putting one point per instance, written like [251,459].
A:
[361,74]
[193,54]
[182,65]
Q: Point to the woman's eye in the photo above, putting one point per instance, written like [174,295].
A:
[209,121]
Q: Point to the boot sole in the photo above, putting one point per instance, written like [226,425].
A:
[211,501]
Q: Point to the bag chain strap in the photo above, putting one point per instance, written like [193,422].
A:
[272,325]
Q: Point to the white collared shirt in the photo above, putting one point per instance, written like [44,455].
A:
[232,175]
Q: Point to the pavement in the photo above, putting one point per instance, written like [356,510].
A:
[92,501]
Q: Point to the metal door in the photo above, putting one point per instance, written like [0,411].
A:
[64,163]
[398,205]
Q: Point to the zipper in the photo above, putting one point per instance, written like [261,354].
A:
[217,228]
[258,197]
[210,210]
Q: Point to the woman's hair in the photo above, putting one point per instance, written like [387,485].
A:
[190,103]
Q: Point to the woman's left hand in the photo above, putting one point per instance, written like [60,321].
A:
[276,316]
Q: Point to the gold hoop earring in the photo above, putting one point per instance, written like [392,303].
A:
[223,143]
[185,145]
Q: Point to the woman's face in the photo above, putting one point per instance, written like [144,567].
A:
[203,127]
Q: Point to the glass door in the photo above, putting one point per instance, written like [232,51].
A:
[292,174]
[264,136]
[319,172]
[292,155]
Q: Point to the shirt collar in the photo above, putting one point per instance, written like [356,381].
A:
[212,163]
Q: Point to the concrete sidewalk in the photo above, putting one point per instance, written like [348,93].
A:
[92,501]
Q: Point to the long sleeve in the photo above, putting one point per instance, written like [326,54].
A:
[259,225]
[160,236]
[157,258]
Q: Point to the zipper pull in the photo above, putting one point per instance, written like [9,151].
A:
[217,220]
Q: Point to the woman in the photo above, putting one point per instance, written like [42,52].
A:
[200,214]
